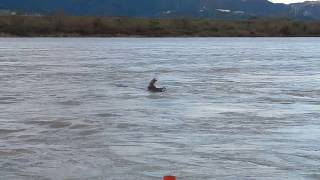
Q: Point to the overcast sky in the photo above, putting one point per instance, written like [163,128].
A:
[286,1]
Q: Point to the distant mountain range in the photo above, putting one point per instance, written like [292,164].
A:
[220,9]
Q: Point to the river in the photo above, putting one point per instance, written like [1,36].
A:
[235,108]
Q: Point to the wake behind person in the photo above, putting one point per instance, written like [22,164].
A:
[153,88]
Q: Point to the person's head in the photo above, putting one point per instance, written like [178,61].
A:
[154,80]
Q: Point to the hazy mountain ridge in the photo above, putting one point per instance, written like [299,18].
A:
[308,9]
[166,8]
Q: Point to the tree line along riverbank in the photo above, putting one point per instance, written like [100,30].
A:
[80,26]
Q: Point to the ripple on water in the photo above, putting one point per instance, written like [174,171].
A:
[107,115]
[79,126]
[156,96]
[9,131]
[275,100]
[126,125]
[89,132]
[51,124]
[309,94]
[70,103]
[59,124]
[8,100]
[121,85]
[14,152]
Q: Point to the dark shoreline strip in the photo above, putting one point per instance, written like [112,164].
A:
[86,26]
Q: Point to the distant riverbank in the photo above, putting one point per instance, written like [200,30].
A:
[75,26]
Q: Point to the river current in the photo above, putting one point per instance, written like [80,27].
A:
[235,108]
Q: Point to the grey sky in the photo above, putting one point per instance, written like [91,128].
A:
[286,1]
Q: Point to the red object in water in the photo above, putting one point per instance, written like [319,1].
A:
[169,178]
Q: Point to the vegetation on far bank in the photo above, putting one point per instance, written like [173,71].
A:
[75,26]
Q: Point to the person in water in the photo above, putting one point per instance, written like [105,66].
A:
[152,87]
